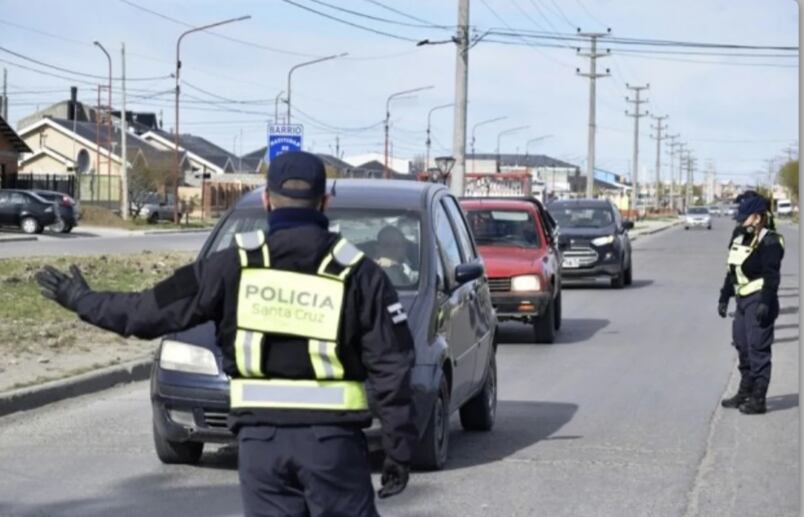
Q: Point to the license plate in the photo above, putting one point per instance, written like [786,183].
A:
[571,262]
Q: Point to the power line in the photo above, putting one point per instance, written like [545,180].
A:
[345,22]
[80,74]
[374,18]
[407,15]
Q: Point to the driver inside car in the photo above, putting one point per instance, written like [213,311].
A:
[392,256]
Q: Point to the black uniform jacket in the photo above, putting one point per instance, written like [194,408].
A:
[766,263]
[381,351]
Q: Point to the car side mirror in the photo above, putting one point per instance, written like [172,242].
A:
[467,272]
[628,225]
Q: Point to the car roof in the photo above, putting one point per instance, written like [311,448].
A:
[498,202]
[366,193]
[581,203]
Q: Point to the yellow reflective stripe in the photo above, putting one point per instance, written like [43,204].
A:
[243,257]
[325,361]
[301,394]
[248,353]
[266,257]
[750,287]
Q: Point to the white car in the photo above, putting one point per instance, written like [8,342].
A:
[784,208]
[715,210]
[698,217]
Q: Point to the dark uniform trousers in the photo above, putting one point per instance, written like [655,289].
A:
[752,341]
[305,471]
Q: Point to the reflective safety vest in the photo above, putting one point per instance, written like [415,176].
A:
[738,254]
[302,305]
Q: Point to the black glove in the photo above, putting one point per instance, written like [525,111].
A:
[722,308]
[394,478]
[763,315]
[64,289]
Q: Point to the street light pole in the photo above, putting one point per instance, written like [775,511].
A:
[276,106]
[176,129]
[388,118]
[482,123]
[429,114]
[108,151]
[308,63]
[534,140]
[503,133]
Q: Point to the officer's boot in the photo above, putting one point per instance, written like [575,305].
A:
[755,405]
[746,386]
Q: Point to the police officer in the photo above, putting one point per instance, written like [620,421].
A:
[753,275]
[303,320]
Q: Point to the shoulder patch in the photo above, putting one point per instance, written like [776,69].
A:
[182,284]
[346,254]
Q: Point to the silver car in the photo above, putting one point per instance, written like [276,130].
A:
[698,217]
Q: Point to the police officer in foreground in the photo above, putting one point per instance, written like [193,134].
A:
[302,320]
[753,276]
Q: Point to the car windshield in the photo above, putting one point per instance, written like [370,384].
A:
[698,211]
[503,228]
[392,238]
[582,216]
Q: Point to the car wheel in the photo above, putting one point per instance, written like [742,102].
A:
[558,312]
[686,227]
[66,229]
[176,452]
[30,225]
[479,413]
[544,328]
[709,227]
[153,218]
[629,275]
[618,281]
[431,453]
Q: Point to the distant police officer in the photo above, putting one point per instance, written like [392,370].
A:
[302,320]
[753,275]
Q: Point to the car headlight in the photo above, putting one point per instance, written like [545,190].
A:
[183,357]
[602,241]
[526,283]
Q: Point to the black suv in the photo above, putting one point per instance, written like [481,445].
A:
[594,240]
[26,210]
[441,283]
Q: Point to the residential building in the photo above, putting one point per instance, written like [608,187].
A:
[204,157]
[11,146]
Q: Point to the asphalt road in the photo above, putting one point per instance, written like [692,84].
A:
[619,418]
[86,242]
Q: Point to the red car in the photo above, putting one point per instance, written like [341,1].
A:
[518,241]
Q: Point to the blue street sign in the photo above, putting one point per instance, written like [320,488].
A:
[283,138]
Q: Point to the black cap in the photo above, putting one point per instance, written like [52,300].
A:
[298,165]
[751,205]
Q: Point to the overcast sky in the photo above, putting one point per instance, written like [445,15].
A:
[733,115]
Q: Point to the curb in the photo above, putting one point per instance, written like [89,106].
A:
[657,230]
[163,232]
[36,396]
[18,239]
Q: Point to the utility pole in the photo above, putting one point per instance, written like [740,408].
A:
[691,164]
[456,179]
[771,163]
[659,137]
[672,146]
[593,77]
[123,138]
[5,94]
[337,146]
[391,97]
[638,114]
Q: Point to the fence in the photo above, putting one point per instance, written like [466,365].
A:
[64,183]
[220,196]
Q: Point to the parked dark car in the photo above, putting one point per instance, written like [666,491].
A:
[594,240]
[441,283]
[153,207]
[26,210]
[66,210]
[518,241]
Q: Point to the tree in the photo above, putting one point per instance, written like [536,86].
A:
[788,178]
[144,181]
